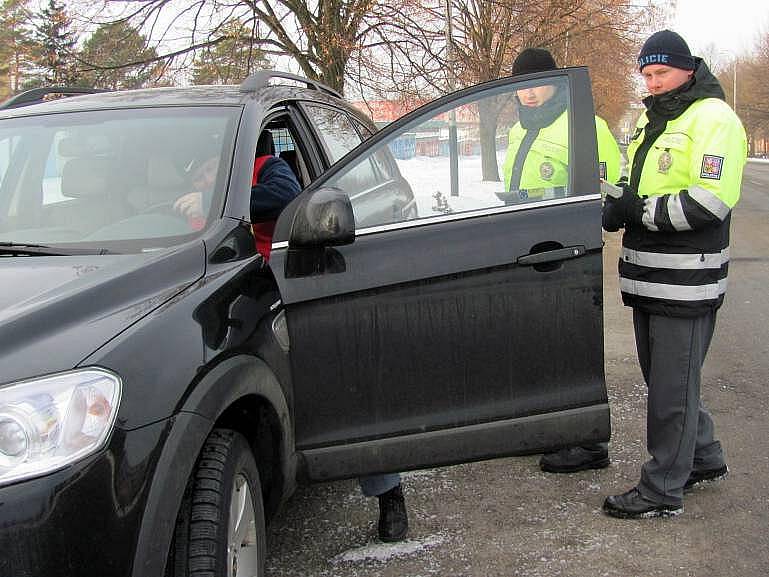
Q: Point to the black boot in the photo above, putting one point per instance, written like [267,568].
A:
[633,505]
[393,521]
[706,475]
[573,459]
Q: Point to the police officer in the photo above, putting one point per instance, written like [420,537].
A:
[536,166]
[686,162]
[536,163]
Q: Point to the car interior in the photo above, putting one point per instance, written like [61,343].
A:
[286,146]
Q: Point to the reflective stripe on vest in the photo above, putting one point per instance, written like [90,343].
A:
[709,201]
[650,209]
[690,261]
[705,198]
[673,292]
[676,213]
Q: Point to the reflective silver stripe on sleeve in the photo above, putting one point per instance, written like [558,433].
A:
[709,201]
[696,261]
[650,208]
[673,292]
[676,213]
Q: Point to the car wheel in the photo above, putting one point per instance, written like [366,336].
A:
[220,528]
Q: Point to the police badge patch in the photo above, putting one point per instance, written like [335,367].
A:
[711,167]
[664,162]
[546,170]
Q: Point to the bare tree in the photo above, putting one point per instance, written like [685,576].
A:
[456,43]
[747,74]
[319,37]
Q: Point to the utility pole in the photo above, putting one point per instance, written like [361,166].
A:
[453,146]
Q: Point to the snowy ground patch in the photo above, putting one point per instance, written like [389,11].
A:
[382,552]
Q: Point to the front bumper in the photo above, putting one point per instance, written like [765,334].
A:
[86,520]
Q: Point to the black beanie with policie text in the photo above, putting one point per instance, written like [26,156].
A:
[667,48]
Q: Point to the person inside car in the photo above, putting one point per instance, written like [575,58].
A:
[191,204]
[273,186]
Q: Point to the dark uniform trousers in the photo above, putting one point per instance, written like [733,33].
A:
[680,436]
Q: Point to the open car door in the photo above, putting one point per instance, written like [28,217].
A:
[437,315]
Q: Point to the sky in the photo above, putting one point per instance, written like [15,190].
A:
[731,25]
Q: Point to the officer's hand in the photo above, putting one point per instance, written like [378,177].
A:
[612,216]
[632,207]
[510,197]
[190,205]
[622,211]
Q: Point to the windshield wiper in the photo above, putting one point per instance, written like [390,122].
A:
[21,248]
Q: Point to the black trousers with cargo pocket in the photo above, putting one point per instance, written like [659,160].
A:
[679,430]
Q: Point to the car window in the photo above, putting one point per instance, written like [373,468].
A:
[508,145]
[282,138]
[364,130]
[335,130]
[113,176]
[287,147]
[7,146]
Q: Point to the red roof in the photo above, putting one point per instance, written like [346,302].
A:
[386,110]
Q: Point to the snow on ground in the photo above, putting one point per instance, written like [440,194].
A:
[429,175]
[382,552]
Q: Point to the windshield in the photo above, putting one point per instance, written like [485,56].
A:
[125,180]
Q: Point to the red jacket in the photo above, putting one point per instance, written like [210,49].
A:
[262,230]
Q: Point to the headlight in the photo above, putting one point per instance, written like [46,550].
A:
[51,422]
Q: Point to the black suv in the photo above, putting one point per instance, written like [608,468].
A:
[163,386]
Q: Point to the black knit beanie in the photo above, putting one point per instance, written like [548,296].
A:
[668,48]
[533,60]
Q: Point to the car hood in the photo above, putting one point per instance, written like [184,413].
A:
[56,310]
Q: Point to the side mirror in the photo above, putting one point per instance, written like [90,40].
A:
[324,218]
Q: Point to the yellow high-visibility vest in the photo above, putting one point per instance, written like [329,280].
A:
[546,164]
[705,147]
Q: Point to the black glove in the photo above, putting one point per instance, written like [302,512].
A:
[613,215]
[632,207]
[619,212]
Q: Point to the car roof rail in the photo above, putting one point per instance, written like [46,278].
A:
[261,78]
[36,95]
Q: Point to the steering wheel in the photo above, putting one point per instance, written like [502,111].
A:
[163,207]
[166,209]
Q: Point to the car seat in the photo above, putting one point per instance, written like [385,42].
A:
[163,185]
[292,160]
[92,198]
[265,145]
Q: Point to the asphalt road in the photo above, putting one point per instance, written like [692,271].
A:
[506,518]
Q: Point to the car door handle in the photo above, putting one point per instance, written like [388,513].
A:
[564,253]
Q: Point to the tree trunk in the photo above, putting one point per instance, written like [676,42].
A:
[488,114]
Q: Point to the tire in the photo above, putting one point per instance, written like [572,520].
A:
[220,530]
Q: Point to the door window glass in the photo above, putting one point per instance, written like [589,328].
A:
[506,145]
[335,129]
